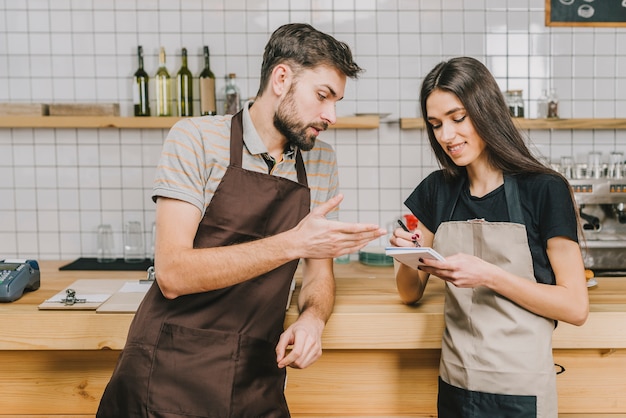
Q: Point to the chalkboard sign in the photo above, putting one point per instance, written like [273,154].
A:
[585,12]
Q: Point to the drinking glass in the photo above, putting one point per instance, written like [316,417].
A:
[567,166]
[133,242]
[105,244]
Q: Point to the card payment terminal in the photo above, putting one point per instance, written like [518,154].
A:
[16,276]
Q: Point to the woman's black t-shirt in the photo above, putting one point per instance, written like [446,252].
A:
[546,207]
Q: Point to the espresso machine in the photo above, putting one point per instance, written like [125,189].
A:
[600,192]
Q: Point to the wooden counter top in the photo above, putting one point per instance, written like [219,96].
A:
[368,315]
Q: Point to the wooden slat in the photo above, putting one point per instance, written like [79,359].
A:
[84,109]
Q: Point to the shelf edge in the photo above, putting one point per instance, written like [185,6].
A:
[122,122]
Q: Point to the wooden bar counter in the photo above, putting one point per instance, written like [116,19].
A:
[380,357]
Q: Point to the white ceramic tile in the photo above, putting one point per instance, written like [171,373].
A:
[25,194]
[19,66]
[47,220]
[474,22]
[562,44]
[39,43]
[453,44]
[60,20]
[430,22]
[111,178]
[497,44]
[518,21]
[452,21]
[603,109]
[582,66]
[518,44]
[583,45]
[8,202]
[88,177]
[368,200]
[45,177]
[27,243]
[16,20]
[496,21]
[24,155]
[474,45]
[7,220]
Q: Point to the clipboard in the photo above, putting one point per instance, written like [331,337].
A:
[100,295]
[89,295]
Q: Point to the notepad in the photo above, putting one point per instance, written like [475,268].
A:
[411,255]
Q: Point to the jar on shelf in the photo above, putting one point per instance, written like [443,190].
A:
[515,103]
[553,104]
[542,105]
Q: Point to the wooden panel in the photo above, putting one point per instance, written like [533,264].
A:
[372,382]
[23,109]
[593,382]
[342,383]
[61,382]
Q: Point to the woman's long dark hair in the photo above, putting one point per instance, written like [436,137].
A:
[470,81]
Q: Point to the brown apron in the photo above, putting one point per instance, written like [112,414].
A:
[212,354]
[496,357]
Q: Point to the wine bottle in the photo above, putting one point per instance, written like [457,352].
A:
[207,87]
[232,96]
[141,99]
[162,81]
[184,88]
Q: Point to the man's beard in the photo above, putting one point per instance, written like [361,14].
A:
[285,121]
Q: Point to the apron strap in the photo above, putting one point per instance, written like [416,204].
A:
[236,139]
[456,192]
[513,202]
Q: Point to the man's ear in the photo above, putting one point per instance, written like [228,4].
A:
[282,77]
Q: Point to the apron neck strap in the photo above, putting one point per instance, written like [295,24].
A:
[513,203]
[236,139]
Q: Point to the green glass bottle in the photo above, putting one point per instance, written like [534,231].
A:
[162,82]
[207,87]
[141,99]
[184,88]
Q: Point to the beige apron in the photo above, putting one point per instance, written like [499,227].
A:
[491,346]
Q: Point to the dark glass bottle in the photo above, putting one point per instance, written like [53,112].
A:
[207,88]
[141,100]
[184,88]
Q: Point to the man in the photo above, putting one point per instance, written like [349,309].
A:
[233,217]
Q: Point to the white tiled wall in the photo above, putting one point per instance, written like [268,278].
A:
[57,185]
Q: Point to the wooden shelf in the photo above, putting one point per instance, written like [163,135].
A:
[418,123]
[121,122]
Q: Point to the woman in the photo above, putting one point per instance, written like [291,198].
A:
[508,229]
